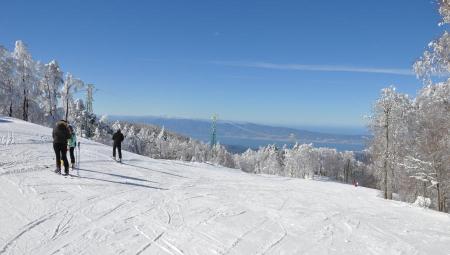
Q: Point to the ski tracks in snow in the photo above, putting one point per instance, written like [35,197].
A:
[28,227]
[277,241]
[151,241]
[112,208]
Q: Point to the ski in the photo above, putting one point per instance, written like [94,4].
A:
[63,174]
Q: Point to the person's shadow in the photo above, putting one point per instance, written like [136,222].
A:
[162,172]
[118,182]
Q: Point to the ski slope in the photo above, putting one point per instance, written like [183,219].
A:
[148,206]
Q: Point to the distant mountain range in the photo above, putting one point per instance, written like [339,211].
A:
[239,136]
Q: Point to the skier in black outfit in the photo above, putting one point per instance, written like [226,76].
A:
[60,135]
[118,139]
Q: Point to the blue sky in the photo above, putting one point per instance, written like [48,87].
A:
[304,63]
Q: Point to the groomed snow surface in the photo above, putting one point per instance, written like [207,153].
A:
[147,206]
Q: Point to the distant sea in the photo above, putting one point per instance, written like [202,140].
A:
[240,136]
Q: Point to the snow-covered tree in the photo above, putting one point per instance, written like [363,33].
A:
[8,88]
[26,78]
[50,86]
[246,161]
[435,61]
[71,86]
[444,10]
[103,131]
[162,143]
[433,136]
[328,162]
[302,161]
[85,121]
[219,155]
[387,124]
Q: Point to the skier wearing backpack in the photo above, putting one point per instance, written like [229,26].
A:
[118,139]
[60,135]
[72,142]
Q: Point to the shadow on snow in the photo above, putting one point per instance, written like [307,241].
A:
[146,168]
[117,182]
[116,175]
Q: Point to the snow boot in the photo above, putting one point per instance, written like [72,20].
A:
[58,170]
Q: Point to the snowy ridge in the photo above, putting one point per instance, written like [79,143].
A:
[148,206]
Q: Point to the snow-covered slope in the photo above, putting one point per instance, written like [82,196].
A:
[148,206]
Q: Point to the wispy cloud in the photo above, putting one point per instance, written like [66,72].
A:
[316,68]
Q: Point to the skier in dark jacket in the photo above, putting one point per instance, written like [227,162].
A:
[118,139]
[60,135]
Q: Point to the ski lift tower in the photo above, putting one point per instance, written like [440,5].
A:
[214,130]
[90,98]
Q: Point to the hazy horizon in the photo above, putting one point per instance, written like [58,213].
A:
[331,129]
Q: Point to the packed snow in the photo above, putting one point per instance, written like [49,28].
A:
[148,206]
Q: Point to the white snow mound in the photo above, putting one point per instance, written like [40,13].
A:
[148,206]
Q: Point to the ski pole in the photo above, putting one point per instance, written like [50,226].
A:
[79,154]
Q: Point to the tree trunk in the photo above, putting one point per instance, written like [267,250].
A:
[386,156]
[439,200]
[50,104]
[424,189]
[54,107]
[444,203]
[25,105]
[10,99]
[385,180]
[347,172]
[67,109]
[10,109]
